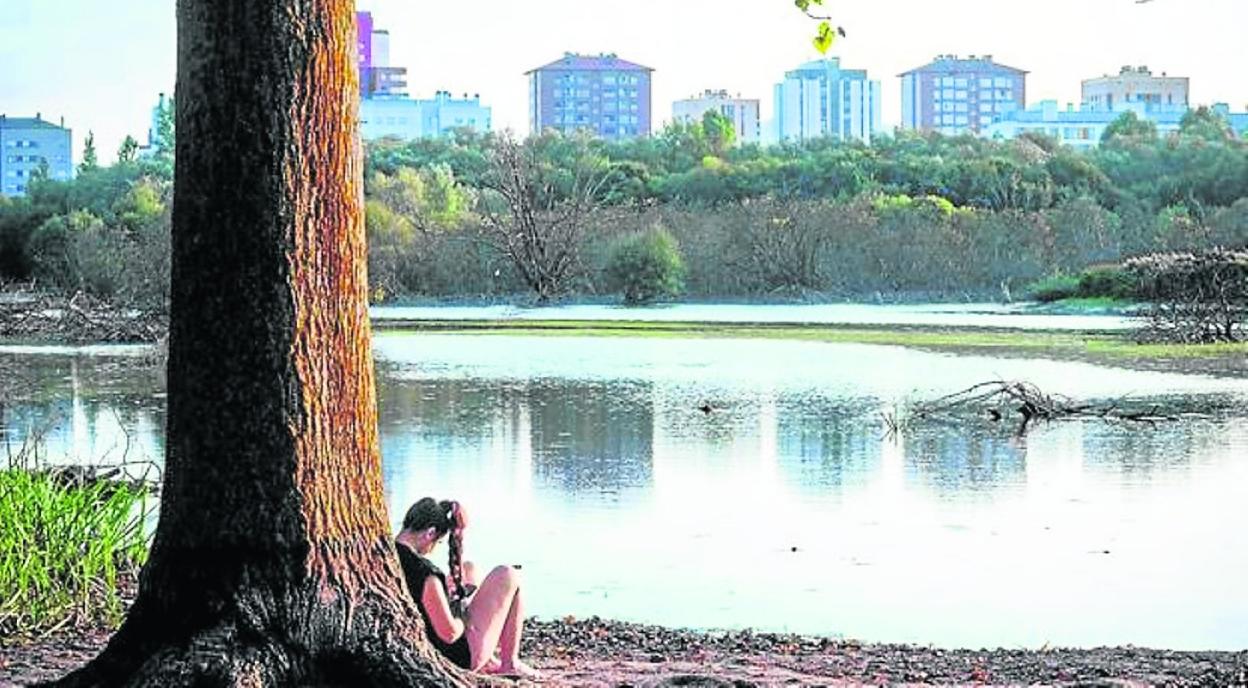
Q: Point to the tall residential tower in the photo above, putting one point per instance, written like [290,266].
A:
[954,95]
[601,94]
[821,99]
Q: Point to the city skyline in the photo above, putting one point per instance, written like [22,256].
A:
[77,59]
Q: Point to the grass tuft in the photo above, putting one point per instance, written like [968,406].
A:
[67,548]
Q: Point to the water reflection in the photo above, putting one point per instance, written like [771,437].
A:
[960,463]
[578,437]
[81,408]
[788,505]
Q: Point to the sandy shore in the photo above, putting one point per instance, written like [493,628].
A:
[596,652]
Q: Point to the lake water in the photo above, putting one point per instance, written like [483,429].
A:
[789,506]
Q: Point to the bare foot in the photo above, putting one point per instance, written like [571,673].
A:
[492,666]
[519,668]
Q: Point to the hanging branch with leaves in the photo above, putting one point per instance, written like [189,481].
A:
[826,34]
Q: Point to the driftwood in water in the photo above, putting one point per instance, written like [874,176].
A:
[1001,401]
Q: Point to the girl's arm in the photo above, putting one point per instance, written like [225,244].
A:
[438,607]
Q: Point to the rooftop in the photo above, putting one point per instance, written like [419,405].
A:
[1141,71]
[600,62]
[713,93]
[36,122]
[971,63]
[827,65]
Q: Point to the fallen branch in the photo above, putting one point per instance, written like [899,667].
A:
[999,400]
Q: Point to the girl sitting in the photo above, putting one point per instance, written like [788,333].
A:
[477,628]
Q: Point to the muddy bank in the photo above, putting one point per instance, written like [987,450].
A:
[597,652]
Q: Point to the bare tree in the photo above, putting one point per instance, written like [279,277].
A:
[536,212]
[781,242]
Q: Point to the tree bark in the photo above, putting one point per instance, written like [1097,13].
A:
[272,562]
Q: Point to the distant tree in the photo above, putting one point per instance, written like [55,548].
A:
[140,205]
[42,173]
[779,243]
[403,214]
[646,266]
[536,212]
[718,131]
[1205,123]
[90,161]
[128,151]
[165,135]
[1129,128]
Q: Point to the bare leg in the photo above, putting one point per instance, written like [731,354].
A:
[509,642]
[471,580]
[488,612]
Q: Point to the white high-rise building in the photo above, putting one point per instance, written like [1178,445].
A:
[821,99]
[742,112]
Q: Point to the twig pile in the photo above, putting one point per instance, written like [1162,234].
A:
[34,316]
[999,400]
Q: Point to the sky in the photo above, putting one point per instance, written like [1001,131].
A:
[101,64]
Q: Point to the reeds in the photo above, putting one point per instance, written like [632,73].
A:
[70,542]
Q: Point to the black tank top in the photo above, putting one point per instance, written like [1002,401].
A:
[416,569]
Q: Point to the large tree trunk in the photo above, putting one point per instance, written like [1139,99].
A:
[272,562]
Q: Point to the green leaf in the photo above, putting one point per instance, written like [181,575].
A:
[824,38]
[803,5]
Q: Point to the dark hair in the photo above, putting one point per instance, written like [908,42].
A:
[440,515]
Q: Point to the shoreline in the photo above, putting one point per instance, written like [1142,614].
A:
[599,652]
[40,320]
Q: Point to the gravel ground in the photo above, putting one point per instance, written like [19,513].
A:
[596,652]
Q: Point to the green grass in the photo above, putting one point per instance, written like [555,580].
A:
[64,550]
[1182,351]
[1062,343]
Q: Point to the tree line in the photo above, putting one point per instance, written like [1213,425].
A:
[916,215]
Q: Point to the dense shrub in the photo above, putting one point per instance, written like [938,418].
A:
[1054,288]
[1110,281]
[646,266]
